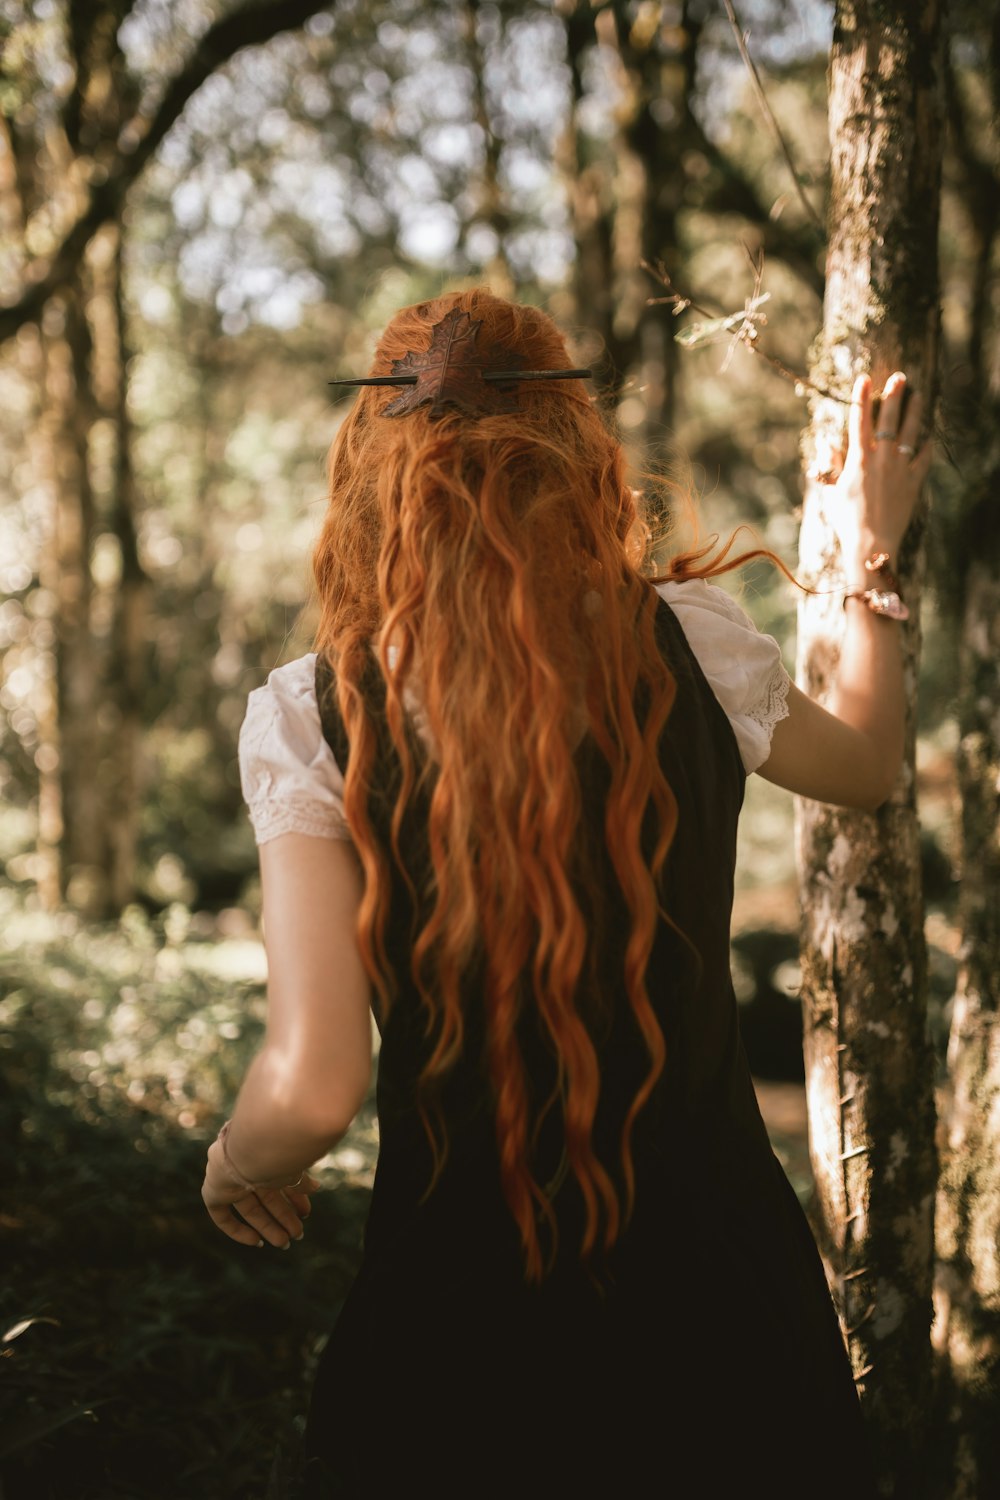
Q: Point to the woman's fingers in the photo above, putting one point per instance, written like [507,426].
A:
[269,1216]
[917,461]
[223,1218]
[299,1201]
[298,1194]
[886,434]
[909,431]
[860,424]
[274,1216]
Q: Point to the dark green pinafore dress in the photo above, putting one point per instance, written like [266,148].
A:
[702,1357]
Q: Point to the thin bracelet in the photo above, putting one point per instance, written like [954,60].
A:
[230,1168]
[237,1176]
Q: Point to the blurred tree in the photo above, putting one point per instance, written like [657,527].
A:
[967,1329]
[489,206]
[78,128]
[589,186]
[869,1066]
[632,201]
[657,48]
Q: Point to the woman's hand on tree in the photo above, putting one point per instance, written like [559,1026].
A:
[271,1214]
[876,492]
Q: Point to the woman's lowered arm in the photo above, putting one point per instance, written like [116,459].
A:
[312,1073]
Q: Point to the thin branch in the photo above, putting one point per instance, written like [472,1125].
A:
[249,27]
[768,113]
[795,245]
[742,327]
[796,376]
[674,299]
[747,329]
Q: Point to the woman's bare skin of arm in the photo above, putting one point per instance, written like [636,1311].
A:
[849,753]
[312,1073]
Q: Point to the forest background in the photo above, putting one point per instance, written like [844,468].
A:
[207,211]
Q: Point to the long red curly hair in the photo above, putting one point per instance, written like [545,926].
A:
[507,559]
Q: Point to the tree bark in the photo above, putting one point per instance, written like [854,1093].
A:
[869,1065]
[967,1293]
[967,1330]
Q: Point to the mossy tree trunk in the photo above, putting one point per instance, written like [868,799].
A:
[869,1065]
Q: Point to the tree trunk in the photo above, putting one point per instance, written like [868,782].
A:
[869,1066]
[73,832]
[658,66]
[967,1293]
[967,1331]
[490,207]
[590,194]
[129,605]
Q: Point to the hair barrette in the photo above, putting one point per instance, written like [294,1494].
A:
[453,372]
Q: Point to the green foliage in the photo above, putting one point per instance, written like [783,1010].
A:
[146,1354]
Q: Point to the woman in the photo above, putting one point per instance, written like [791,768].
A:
[498,806]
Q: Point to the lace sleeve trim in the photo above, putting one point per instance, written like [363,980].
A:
[772,704]
[270,819]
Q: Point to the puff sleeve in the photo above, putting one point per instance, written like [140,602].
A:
[742,665]
[291,781]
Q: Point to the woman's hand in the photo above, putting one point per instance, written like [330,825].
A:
[877,490]
[271,1213]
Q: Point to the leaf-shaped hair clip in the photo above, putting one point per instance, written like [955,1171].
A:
[453,372]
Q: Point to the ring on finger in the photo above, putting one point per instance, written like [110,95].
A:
[906,450]
[883,434]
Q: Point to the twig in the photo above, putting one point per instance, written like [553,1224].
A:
[674,299]
[746,332]
[768,113]
[796,377]
[743,329]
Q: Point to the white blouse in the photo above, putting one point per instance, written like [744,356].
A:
[291,780]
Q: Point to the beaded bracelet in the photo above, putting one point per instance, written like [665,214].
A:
[882,599]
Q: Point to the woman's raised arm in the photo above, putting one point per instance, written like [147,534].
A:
[849,753]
